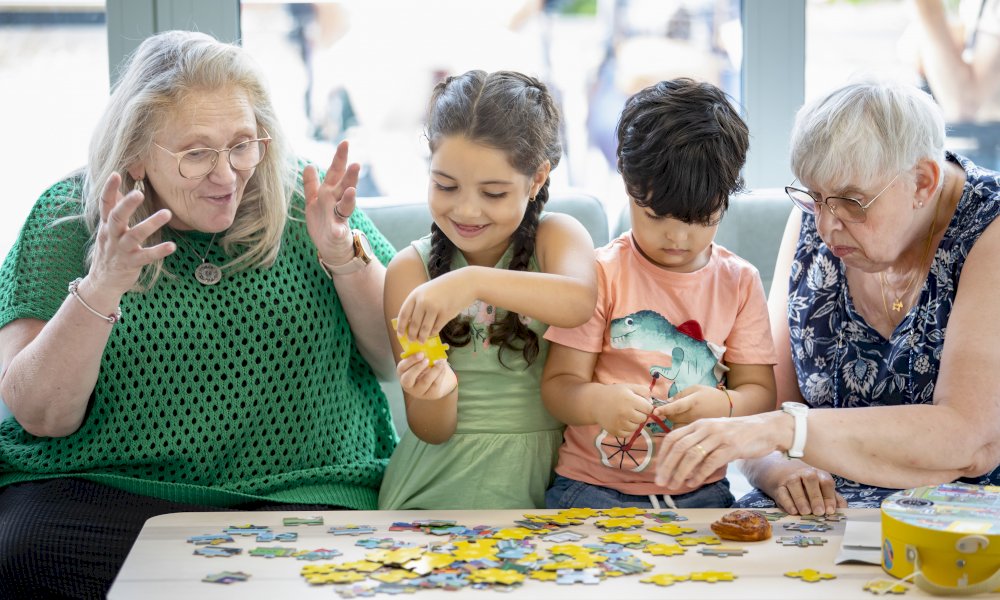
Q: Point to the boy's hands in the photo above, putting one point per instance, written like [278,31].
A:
[425,382]
[694,402]
[623,409]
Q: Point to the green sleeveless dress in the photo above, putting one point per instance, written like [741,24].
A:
[505,444]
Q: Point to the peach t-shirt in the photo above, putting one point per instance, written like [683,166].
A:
[677,324]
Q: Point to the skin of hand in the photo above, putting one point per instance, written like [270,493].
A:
[329,230]
[797,488]
[690,454]
[623,409]
[431,305]
[119,254]
[423,382]
[694,402]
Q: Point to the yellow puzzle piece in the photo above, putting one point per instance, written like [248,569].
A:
[664,579]
[433,349]
[664,549]
[885,586]
[810,575]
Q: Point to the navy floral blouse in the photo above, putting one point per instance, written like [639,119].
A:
[841,361]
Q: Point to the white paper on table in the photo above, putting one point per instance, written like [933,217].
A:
[862,542]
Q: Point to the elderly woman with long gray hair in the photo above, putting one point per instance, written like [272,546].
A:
[193,322]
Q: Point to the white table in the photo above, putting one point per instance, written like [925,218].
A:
[162,563]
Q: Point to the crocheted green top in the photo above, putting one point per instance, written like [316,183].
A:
[251,389]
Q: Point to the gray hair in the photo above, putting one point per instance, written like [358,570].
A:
[864,133]
[164,70]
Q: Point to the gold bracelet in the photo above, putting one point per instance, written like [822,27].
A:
[730,398]
[74,288]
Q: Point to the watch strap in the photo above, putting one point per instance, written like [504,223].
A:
[352,266]
[797,450]
[361,258]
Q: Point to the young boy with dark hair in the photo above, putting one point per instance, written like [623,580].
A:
[681,330]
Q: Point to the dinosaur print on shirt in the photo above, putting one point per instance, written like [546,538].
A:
[694,360]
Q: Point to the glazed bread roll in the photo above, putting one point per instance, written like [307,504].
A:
[743,526]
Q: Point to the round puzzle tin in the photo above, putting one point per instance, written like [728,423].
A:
[945,537]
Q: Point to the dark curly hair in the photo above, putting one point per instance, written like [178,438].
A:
[516,114]
[681,146]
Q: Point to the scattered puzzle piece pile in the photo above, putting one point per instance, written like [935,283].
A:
[504,558]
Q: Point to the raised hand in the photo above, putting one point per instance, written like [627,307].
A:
[329,205]
[119,253]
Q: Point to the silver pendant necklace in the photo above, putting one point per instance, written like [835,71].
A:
[206,273]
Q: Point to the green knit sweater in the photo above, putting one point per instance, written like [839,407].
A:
[251,389]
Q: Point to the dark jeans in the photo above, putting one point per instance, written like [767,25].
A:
[569,493]
[68,538]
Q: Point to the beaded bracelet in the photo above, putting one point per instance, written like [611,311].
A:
[74,288]
[730,398]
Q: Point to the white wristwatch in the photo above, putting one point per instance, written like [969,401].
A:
[799,411]
[362,256]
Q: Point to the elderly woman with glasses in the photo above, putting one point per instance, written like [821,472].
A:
[895,245]
[186,325]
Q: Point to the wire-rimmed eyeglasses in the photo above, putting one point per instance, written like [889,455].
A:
[849,210]
[199,162]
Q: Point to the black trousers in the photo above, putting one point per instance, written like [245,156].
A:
[68,538]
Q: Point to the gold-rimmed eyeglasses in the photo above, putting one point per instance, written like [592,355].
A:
[199,162]
[849,210]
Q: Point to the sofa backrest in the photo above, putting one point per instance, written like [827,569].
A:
[751,228]
[402,221]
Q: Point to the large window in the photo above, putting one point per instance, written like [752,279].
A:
[364,70]
[54,82]
[847,40]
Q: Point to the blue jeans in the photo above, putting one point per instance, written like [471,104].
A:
[569,493]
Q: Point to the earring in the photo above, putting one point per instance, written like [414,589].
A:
[531,198]
[140,186]
[920,204]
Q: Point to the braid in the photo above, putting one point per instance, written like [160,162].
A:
[456,332]
[510,333]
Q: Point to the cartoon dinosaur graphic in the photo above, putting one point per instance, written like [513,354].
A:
[694,360]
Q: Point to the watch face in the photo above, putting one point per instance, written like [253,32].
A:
[365,245]
[362,247]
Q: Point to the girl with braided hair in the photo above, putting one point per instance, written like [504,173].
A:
[493,274]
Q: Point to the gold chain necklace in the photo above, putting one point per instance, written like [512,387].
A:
[897,304]
[206,273]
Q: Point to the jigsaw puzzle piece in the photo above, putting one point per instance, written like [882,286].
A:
[433,348]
